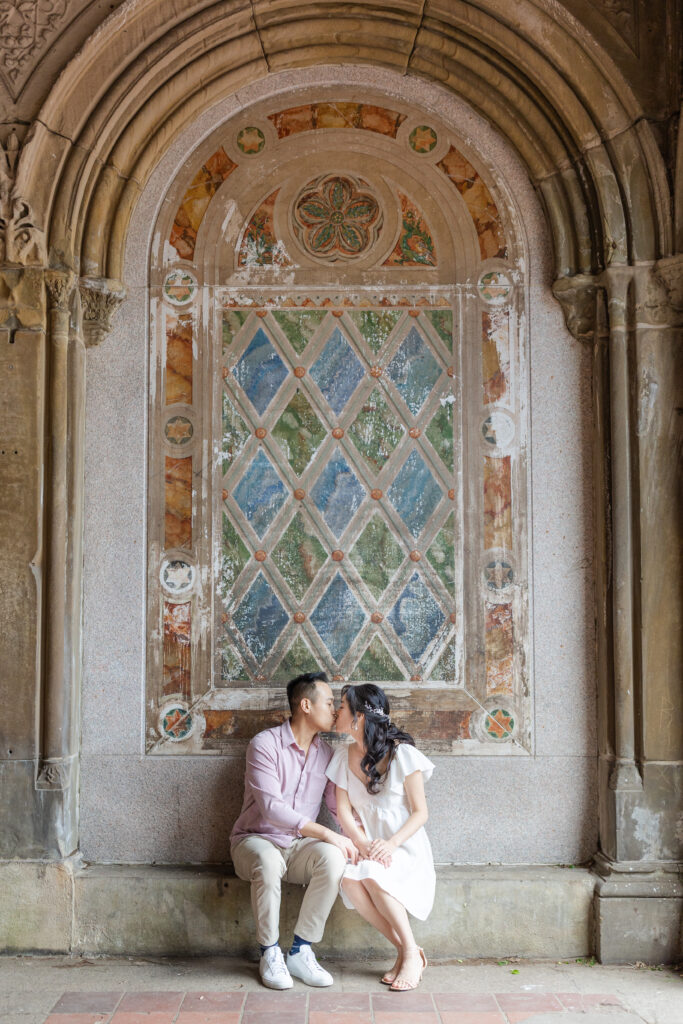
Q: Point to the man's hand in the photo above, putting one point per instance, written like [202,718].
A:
[345,845]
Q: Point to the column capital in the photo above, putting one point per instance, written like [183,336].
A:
[59,285]
[100,298]
[670,272]
[577,296]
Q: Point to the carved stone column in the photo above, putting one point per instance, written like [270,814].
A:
[634,324]
[57,753]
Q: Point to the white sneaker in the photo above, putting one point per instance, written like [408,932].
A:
[304,966]
[272,969]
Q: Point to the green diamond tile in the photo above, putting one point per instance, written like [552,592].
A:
[444,670]
[440,433]
[299,432]
[376,327]
[235,556]
[232,321]
[235,432]
[297,660]
[375,431]
[299,325]
[376,556]
[377,665]
[441,554]
[299,555]
[232,668]
[442,322]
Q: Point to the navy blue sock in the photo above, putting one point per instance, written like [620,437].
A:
[264,948]
[297,944]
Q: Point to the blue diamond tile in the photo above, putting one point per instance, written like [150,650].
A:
[260,618]
[337,371]
[260,372]
[416,617]
[337,493]
[415,493]
[338,618]
[414,371]
[260,493]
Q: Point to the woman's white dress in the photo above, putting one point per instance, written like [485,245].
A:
[410,877]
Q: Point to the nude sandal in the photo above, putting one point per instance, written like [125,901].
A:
[408,986]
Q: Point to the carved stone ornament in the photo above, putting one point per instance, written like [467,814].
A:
[100,298]
[25,31]
[336,218]
[59,284]
[576,295]
[670,272]
[54,775]
[21,241]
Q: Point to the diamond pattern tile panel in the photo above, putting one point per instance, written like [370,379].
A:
[260,372]
[337,371]
[260,618]
[376,431]
[338,493]
[299,555]
[260,493]
[414,370]
[299,432]
[338,618]
[377,556]
[416,617]
[415,493]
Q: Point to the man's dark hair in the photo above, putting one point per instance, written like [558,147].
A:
[303,686]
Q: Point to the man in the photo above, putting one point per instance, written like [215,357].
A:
[276,835]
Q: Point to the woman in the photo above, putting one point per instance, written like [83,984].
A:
[381,807]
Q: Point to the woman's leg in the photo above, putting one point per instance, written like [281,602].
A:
[395,914]
[358,895]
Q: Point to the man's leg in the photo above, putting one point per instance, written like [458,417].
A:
[319,866]
[261,863]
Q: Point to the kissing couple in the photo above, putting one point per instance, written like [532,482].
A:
[382,860]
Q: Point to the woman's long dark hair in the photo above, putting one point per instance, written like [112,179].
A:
[380,735]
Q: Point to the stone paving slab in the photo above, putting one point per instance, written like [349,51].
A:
[63,990]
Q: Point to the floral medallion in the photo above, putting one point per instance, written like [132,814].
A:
[337,218]
[251,140]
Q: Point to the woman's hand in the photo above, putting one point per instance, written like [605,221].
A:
[382,850]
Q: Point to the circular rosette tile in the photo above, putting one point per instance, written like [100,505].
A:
[179,430]
[337,218]
[494,287]
[498,430]
[499,576]
[177,576]
[422,139]
[176,722]
[497,723]
[180,287]
[250,140]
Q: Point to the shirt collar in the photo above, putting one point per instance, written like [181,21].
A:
[288,736]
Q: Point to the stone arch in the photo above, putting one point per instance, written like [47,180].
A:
[549,90]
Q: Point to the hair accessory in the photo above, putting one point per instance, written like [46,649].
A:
[368,708]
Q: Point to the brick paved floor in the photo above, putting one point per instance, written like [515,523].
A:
[319,1007]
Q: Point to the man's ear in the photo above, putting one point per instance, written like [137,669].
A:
[305,705]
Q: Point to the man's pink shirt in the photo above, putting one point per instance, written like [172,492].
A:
[283,788]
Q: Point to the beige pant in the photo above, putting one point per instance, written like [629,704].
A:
[317,865]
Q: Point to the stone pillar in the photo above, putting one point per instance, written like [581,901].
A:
[633,322]
[42,411]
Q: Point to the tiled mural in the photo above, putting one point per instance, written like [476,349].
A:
[341,467]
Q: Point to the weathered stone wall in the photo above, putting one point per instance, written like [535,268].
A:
[173,809]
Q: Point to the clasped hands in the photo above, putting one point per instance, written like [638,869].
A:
[380,850]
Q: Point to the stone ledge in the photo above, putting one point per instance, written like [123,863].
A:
[175,910]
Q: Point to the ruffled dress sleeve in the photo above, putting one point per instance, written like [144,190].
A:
[409,759]
[337,770]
